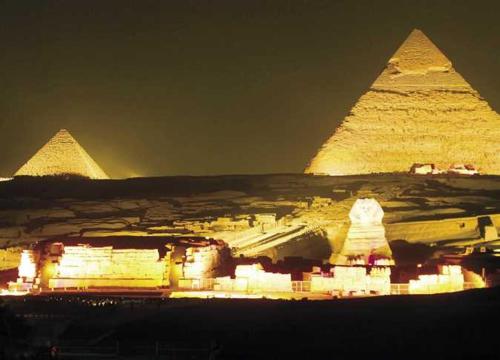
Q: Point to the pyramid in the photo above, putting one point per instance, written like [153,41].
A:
[62,155]
[419,110]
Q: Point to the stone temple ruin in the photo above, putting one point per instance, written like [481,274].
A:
[418,111]
[62,155]
[125,262]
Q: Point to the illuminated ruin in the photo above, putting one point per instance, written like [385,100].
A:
[253,279]
[201,262]
[449,279]
[27,265]
[418,111]
[365,242]
[62,155]
[90,267]
[180,270]
[71,265]
[346,280]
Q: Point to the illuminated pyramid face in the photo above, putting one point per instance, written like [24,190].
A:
[62,155]
[419,110]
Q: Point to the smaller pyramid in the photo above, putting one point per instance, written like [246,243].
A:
[62,155]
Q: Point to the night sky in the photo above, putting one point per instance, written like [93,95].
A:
[213,87]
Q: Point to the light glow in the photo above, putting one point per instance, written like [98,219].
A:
[27,265]
[450,279]
[84,266]
[252,278]
[346,280]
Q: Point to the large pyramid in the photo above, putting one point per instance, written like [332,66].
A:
[62,155]
[419,110]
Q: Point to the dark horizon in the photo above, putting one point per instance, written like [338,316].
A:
[195,88]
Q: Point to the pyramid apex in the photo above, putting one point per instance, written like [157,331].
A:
[417,33]
[63,135]
[418,55]
[62,132]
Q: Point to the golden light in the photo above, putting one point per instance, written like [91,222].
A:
[62,155]
[252,278]
[450,279]
[84,266]
[27,265]
[346,280]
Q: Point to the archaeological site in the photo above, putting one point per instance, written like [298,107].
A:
[386,245]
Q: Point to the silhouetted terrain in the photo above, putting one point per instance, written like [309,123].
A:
[266,184]
[449,326]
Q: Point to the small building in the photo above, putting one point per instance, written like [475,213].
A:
[463,169]
[265,221]
[424,169]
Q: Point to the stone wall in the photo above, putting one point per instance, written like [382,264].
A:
[449,279]
[356,279]
[253,279]
[84,266]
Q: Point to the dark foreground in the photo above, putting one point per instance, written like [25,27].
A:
[451,326]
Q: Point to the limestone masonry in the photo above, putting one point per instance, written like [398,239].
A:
[266,215]
[62,155]
[419,110]
[366,235]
